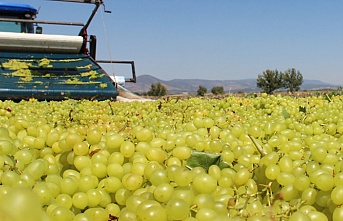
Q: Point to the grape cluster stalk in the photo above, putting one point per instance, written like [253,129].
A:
[278,158]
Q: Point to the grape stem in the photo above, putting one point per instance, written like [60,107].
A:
[258,146]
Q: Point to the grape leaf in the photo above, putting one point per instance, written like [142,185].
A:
[205,160]
[302,109]
[285,114]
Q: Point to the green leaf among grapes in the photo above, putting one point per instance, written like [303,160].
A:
[205,160]
[302,109]
[285,114]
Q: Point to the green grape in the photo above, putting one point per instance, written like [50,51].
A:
[99,214]
[254,208]
[154,213]
[322,198]
[94,136]
[87,182]
[64,200]
[127,168]
[114,141]
[198,122]
[272,171]
[61,213]
[113,209]
[145,205]
[150,168]
[115,170]
[309,196]
[70,141]
[214,171]
[36,168]
[158,177]
[94,197]
[242,176]
[121,196]
[286,164]
[331,159]
[132,181]
[185,193]
[80,200]
[111,184]
[21,204]
[285,178]
[9,177]
[81,162]
[204,201]
[204,183]
[177,209]
[337,214]
[133,201]
[99,158]
[127,215]
[163,192]
[105,198]
[324,181]
[127,148]
[182,152]
[68,185]
[82,217]
[43,192]
[338,179]
[289,192]
[302,182]
[156,154]
[319,154]
[99,170]
[144,135]
[81,148]
[183,177]
[317,216]
[225,181]
[336,195]
[299,216]
[271,158]
[24,156]
[205,214]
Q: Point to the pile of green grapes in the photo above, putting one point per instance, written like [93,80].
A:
[281,159]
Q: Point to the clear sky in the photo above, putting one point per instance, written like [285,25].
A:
[213,39]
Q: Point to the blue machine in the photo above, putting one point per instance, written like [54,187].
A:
[50,67]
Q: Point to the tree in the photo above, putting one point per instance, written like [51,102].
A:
[292,79]
[217,90]
[157,89]
[269,81]
[202,90]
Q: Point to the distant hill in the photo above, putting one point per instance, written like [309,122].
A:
[178,86]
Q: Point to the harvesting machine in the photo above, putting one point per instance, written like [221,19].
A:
[48,66]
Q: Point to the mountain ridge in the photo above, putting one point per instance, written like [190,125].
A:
[190,86]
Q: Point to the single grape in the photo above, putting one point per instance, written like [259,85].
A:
[163,192]
[177,209]
[204,183]
[80,200]
[131,181]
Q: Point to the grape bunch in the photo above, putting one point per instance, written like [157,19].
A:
[258,159]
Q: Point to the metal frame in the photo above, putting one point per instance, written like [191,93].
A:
[132,63]
[42,22]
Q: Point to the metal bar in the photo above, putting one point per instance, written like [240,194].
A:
[133,69]
[42,22]
[85,27]
[113,61]
[81,1]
